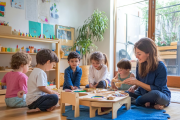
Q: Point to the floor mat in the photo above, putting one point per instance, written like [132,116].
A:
[175,97]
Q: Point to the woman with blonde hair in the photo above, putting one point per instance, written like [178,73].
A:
[150,85]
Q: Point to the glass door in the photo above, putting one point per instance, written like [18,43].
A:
[131,26]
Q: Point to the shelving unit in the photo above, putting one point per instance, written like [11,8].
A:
[24,38]
[3,91]
[15,52]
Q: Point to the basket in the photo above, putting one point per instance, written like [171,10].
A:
[85,73]
[61,79]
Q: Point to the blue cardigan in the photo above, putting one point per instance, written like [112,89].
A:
[156,79]
[71,79]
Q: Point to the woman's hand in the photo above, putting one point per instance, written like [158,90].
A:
[131,89]
[131,81]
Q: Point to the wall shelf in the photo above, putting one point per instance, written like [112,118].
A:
[3,91]
[15,52]
[24,38]
[3,71]
[29,38]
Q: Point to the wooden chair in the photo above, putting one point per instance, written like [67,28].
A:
[72,99]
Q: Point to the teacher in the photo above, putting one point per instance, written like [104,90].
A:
[149,87]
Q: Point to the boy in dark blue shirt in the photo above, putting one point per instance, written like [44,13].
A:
[72,74]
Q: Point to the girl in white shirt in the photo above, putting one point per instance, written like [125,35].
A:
[98,71]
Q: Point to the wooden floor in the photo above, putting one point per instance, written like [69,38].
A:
[20,113]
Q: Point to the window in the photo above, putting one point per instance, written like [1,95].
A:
[130,27]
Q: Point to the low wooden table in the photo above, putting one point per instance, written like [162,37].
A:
[95,104]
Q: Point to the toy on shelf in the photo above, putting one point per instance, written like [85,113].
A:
[22,49]
[31,49]
[15,32]
[17,49]
[27,50]
[3,23]
[2,68]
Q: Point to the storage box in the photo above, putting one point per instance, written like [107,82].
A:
[5,29]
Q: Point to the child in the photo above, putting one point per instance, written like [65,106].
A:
[72,74]
[107,64]
[124,68]
[16,80]
[98,72]
[36,98]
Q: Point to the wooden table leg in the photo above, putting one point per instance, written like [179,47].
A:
[128,104]
[115,107]
[62,107]
[92,111]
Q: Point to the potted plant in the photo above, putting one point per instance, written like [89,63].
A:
[92,31]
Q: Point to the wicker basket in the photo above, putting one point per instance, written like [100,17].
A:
[61,79]
[85,74]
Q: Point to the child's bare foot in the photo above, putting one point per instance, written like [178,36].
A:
[147,104]
[51,109]
[33,110]
[159,107]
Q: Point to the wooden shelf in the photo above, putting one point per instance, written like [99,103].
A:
[3,91]
[15,52]
[29,38]
[3,71]
[168,56]
[173,43]
[167,48]
[168,53]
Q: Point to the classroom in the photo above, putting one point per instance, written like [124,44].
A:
[89,59]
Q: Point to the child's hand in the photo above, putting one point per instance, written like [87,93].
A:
[20,94]
[91,85]
[76,87]
[114,80]
[72,88]
[131,89]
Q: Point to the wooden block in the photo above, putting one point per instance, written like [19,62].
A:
[111,98]
[5,30]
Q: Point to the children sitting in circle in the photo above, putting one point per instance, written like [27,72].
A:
[124,72]
[16,80]
[72,74]
[39,97]
[98,71]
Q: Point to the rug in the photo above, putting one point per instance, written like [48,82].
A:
[135,113]
[175,97]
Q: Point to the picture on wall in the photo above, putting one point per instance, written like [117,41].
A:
[48,30]
[66,35]
[2,9]
[66,49]
[63,34]
[34,28]
[17,4]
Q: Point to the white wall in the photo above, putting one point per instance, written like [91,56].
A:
[106,46]
[72,13]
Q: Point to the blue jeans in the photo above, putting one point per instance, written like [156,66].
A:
[16,101]
[102,84]
[44,102]
[154,97]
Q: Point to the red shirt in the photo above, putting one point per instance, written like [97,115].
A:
[15,82]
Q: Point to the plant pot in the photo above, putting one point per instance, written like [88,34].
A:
[85,73]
